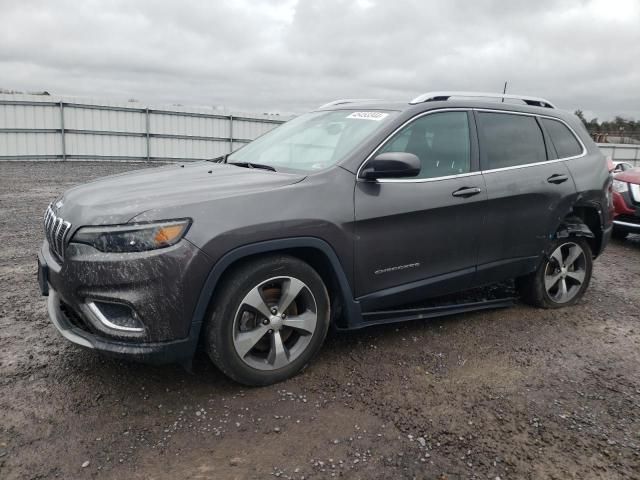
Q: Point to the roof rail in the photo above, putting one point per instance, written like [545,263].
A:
[347,100]
[439,96]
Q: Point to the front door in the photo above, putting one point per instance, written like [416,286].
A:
[417,237]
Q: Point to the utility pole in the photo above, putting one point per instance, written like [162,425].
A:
[504,91]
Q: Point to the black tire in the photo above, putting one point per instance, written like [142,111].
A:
[229,307]
[532,288]
[619,234]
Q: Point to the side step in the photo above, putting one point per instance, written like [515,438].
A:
[393,316]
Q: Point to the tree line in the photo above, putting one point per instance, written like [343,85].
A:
[618,126]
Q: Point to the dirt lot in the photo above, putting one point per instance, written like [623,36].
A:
[516,393]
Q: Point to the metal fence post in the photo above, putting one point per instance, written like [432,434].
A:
[230,133]
[62,139]
[147,132]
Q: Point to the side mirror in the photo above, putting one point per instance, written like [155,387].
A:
[391,165]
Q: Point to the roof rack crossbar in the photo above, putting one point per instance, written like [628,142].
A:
[345,101]
[442,96]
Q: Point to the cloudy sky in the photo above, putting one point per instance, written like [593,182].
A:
[292,55]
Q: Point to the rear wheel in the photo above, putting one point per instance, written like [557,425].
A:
[562,278]
[269,320]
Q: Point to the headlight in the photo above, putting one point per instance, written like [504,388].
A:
[134,237]
[620,186]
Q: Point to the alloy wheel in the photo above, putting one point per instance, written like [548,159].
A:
[565,272]
[275,323]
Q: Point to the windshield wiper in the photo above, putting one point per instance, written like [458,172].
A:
[253,165]
[221,159]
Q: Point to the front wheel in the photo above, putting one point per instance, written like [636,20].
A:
[562,278]
[268,321]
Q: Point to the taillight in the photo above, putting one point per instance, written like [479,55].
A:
[610,196]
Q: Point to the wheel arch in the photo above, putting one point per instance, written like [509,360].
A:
[584,221]
[314,251]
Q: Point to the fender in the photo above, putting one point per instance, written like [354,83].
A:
[351,312]
[573,227]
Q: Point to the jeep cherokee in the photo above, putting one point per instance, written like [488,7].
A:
[347,216]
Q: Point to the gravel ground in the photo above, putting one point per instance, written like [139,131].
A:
[515,393]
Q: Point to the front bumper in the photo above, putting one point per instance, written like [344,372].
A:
[154,353]
[160,287]
[627,223]
[627,212]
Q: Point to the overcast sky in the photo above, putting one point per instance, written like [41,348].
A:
[291,56]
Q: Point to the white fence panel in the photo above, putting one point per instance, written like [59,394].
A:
[56,128]
[248,129]
[39,145]
[177,148]
[103,120]
[199,126]
[621,152]
[29,116]
[85,146]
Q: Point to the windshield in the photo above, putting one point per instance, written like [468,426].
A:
[312,141]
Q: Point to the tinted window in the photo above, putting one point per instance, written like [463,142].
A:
[507,140]
[565,142]
[440,141]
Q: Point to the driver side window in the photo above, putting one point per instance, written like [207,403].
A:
[441,142]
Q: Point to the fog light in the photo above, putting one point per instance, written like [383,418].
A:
[116,316]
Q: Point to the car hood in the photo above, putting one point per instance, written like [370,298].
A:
[119,198]
[630,176]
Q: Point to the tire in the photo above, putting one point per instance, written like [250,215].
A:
[619,234]
[543,288]
[250,343]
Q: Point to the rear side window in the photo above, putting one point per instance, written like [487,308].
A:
[507,140]
[564,141]
[439,140]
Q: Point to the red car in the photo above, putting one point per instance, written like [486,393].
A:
[626,201]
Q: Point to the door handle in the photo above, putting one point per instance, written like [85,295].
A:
[557,178]
[466,192]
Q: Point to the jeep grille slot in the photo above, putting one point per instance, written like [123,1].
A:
[56,230]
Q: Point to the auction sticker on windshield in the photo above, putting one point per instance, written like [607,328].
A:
[375,116]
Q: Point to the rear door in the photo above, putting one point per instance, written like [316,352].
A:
[418,237]
[528,192]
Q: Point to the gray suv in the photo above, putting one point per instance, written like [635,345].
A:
[348,216]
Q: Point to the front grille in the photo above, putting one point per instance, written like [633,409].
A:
[56,230]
